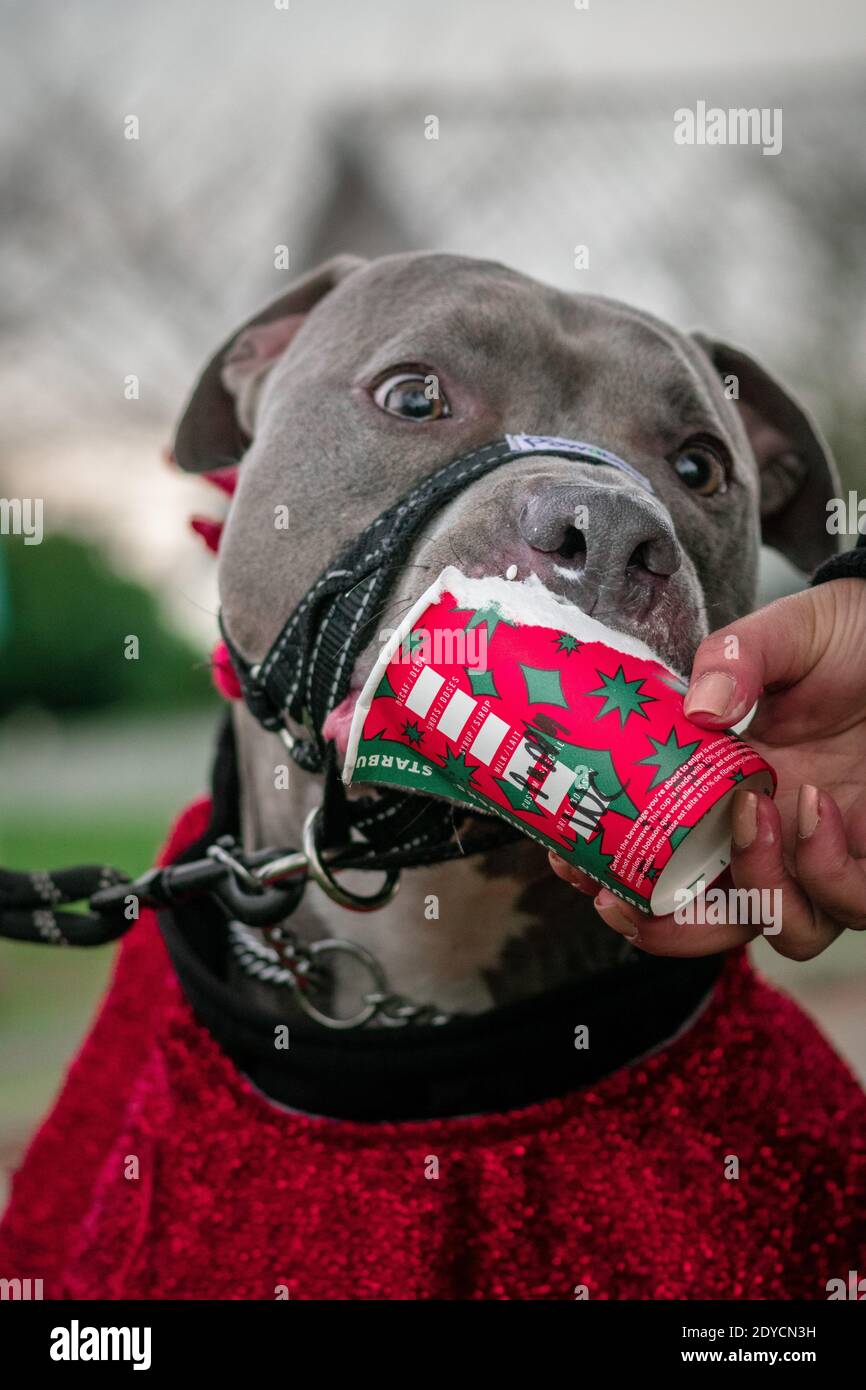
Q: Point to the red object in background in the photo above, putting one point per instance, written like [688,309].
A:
[210,531]
[224,675]
[226,479]
[619,1187]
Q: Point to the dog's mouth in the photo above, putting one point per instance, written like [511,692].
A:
[669,636]
[338,723]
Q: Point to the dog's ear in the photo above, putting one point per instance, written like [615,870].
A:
[797,473]
[217,422]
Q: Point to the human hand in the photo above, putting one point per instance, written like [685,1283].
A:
[805,655]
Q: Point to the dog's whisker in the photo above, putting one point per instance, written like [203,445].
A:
[374,617]
[356,586]
[202,607]
[386,608]
[457,557]
[400,604]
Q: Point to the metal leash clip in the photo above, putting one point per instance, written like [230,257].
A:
[253,894]
[246,894]
[260,888]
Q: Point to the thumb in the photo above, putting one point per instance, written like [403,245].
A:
[732,667]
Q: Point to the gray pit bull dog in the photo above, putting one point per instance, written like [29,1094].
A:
[323,394]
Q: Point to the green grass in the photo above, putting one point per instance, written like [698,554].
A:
[38,841]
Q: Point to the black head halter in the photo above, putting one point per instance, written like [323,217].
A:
[308,669]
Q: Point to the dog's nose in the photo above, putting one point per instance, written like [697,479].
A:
[620,544]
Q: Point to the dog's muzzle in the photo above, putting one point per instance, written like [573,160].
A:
[308,669]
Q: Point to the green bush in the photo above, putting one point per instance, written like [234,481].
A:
[67,616]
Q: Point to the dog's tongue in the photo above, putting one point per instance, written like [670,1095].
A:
[338,723]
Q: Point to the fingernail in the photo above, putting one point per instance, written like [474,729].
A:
[619,920]
[808,811]
[560,866]
[570,875]
[744,821]
[711,693]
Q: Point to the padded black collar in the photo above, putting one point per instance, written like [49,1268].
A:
[508,1057]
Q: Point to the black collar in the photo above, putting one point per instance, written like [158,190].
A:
[505,1058]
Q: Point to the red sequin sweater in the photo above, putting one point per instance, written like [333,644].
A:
[728,1165]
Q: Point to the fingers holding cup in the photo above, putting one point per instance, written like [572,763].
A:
[794,925]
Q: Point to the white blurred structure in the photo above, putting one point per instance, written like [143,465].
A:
[305,126]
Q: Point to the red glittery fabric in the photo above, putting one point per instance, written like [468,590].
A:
[620,1188]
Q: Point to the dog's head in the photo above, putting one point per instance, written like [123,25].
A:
[365,377]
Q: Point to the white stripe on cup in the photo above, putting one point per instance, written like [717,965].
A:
[487,740]
[457,711]
[555,787]
[521,763]
[424,691]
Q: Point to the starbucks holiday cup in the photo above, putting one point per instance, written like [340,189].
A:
[500,697]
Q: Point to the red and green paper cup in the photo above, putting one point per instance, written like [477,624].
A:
[502,698]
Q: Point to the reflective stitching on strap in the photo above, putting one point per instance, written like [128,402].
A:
[276,650]
[556,444]
[335,683]
[47,889]
[46,924]
[311,666]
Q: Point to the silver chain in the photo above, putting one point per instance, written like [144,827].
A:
[280,959]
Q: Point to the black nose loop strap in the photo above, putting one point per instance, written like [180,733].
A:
[308,669]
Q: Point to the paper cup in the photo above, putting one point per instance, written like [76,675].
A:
[500,697]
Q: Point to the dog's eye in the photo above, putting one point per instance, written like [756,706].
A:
[701,469]
[412,395]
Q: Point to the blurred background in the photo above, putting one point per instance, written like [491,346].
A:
[302,125]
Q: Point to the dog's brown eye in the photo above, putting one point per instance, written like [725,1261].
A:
[701,469]
[412,395]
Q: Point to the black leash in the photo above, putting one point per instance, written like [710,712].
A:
[29,904]
[258,889]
